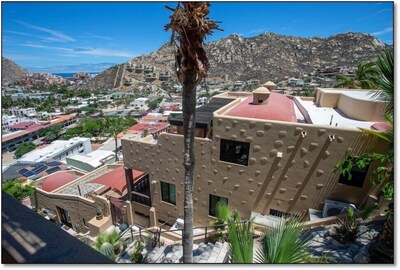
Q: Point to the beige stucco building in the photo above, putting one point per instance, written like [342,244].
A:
[262,152]
[74,198]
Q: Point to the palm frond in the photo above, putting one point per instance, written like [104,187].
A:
[385,63]
[284,244]
[241,242]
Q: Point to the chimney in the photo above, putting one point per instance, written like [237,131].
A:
[270,85]
[261,95]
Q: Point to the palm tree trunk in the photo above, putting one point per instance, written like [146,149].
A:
[116,148]
[189,126]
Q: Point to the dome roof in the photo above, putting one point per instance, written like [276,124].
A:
[261,89]
[269,83]
[57,180]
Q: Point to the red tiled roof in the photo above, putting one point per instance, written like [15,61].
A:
[22,125]
[149,118]
[116,178]
[151,128]
[279,108]
[35,127]
[57,180]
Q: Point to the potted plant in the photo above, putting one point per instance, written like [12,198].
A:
[99,212]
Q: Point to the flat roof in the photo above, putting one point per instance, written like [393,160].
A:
[323,115]
[204,113]
[52,149]
[93,158]
[83,184]
[278,108]
[353,93]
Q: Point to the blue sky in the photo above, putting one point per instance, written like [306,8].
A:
[92,36]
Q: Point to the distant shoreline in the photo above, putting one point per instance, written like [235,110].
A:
[71,74]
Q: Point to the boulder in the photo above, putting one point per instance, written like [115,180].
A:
[362,256]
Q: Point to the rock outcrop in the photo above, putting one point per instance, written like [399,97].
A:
[264,57]
[11,72]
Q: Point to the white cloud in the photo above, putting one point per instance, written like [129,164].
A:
[383,31]
[254,31]
[88,35]
[55,35]
[87,51]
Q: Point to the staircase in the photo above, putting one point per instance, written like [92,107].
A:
[202,253]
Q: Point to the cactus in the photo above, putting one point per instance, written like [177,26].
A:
[108,250]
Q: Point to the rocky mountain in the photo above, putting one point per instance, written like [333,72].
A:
[264,57]
[11,72]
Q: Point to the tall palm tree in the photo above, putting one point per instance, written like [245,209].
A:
[366,77]
[189,26]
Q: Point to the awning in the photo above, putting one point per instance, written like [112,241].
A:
[116,178]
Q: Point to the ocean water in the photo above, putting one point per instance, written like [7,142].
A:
[69,75]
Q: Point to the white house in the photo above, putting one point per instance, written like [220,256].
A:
[59,150]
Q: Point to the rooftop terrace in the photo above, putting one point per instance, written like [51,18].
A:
[343,108]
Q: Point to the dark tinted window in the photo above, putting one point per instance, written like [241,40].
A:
[357,179]
[234,152]
[214,200]
[168,193]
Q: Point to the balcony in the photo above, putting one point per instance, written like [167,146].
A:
[141,191]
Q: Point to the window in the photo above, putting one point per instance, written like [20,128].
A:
[168,193]
[65,217]
[357,179]
[278,213]
[234,152]
[214,200]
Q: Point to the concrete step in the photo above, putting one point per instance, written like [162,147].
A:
[215,252]
[202,253]
[223,253]
[154,255]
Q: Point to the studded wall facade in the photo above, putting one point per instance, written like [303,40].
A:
[289,167]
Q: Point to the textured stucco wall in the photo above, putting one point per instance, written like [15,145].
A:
[361,109]
[78,208]
[301,179]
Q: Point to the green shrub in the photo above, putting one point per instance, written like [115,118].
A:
[24,148]
[17,189]
[108,250]
[136,256]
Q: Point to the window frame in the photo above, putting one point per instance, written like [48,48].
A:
[358,177]
[169,199]
[65,217]
[214,214]
[226,143]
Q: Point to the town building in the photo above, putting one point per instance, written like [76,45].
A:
[26,133]
[140,103]
[154,117]
[22,112]
[261,153]
[59,150]
[91,161]
[11,120]
[74,198]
